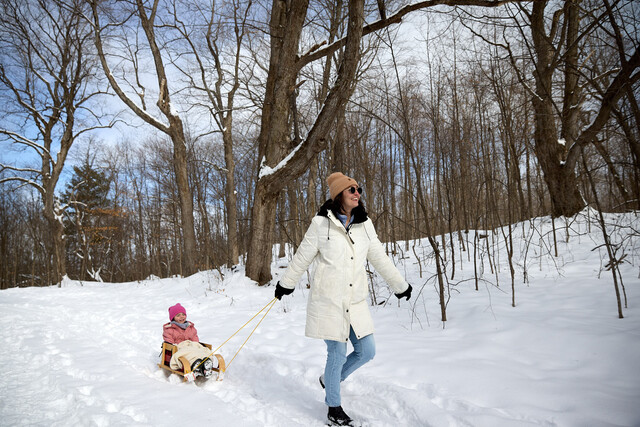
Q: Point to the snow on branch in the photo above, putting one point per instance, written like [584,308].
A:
[4,167]
[267,170]
[24,181]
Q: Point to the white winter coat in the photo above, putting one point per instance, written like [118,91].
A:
[338,296]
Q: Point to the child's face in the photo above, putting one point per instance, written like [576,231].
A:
[180,317]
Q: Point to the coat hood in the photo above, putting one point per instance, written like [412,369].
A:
[359,213]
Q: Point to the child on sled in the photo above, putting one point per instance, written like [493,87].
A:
[184,335]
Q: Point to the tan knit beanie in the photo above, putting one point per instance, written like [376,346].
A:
[338,182]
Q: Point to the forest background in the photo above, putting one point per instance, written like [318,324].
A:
[161,138]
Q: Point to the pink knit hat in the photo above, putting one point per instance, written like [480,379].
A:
[338,182]
[176,309]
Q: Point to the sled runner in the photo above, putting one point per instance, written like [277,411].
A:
[186,372]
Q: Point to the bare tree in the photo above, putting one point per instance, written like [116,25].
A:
[146,14]
[216,43]
[46,78]
[556,31]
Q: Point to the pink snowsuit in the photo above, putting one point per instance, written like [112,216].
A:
[174,334]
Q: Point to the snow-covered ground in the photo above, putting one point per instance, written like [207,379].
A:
[86,354]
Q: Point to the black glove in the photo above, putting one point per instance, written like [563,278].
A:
[405,294]
[280,291]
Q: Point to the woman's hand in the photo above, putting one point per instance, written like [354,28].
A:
[281,290]
[405,294]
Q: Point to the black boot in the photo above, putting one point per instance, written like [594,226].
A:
[337,417]
[207,368]
[197,371]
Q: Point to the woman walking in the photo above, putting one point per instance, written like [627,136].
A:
[340,239]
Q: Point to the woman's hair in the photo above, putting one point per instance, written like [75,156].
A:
[336,204]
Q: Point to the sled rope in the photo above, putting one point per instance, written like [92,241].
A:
[270,305]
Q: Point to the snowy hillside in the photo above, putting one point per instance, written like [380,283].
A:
[86,354]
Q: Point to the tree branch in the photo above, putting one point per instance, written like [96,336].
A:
[114,84]
[24,181]
[396,18]
[611,96]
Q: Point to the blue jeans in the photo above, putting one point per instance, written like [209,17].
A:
[340,366]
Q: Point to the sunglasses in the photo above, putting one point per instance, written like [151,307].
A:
[353,190]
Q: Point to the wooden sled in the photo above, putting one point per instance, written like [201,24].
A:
[167,352]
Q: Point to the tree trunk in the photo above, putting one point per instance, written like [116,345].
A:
[559,175]
[626,197]
[311,190]
[561,181]
[571,98]
[231,199]
[55,242]
[180,167]
[208,261]
[282,232]
[262,235]
[274,141]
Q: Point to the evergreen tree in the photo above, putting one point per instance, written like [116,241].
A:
[89,224]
